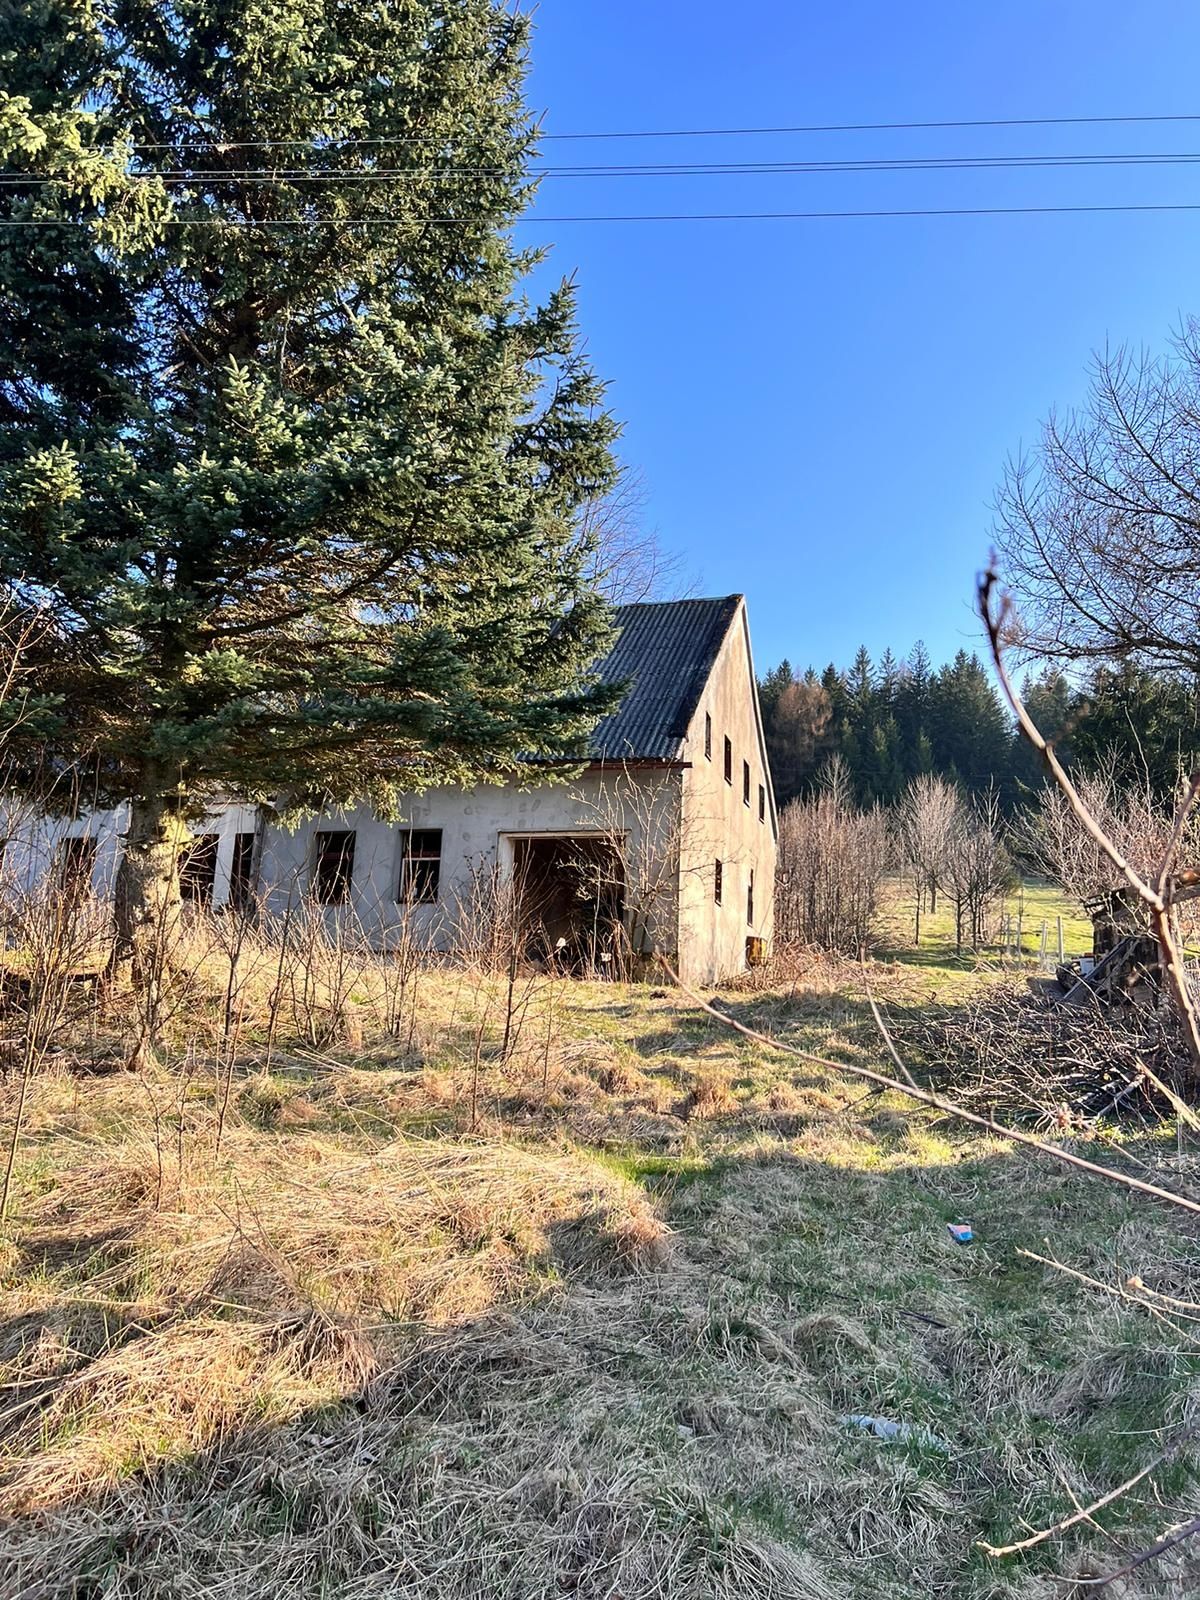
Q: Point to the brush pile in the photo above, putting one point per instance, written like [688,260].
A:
[1018,1054]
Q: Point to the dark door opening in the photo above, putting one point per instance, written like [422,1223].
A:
[242,871]
[198,869]
[571,895]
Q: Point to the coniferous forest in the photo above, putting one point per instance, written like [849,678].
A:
[894,719]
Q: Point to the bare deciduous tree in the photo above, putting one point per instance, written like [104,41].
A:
[978,868]
[928,823]
[832,862]
[1155,890]
[1100,526]
[1051,835]
[629,563]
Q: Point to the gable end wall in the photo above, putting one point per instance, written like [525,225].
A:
[718,825]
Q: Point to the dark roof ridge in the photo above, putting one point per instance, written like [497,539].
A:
[685,600]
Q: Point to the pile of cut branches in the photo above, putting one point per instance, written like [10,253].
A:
[1017,1054]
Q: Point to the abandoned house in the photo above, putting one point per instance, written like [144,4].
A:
[663,844]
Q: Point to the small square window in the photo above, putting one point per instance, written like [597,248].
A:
[718,885]
[745,783]
[762,802]
[333,866]
[707,737]
[728,760]
[420,866]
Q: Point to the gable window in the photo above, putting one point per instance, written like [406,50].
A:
[728,759]
[333,866]
[745,783]
[718,875]
[198,869]
[762,802]
[707,736]
[75,862]
[420,866]
[750,900]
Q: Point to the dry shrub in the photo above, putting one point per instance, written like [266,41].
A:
[832,862]
[711,1094]
[790,965]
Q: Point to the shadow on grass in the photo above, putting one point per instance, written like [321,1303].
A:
[633,1432]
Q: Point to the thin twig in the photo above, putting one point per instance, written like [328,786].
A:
[1181,1108]
[1086,1513]
[1187,1531]
[1121,1291]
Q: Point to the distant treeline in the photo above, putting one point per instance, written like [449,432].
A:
[892,720]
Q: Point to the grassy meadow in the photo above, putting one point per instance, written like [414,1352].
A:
[415,1320]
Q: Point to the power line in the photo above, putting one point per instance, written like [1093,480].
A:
[696,133]
[249,224]
[882,127]
[220,175]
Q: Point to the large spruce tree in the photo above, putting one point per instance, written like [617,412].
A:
[284,453]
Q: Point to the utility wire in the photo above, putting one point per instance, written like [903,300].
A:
[249,224]
[217,143]
[216,175]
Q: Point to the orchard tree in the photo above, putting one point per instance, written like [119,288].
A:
[288,462]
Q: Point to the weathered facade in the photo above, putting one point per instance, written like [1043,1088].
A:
[663,845]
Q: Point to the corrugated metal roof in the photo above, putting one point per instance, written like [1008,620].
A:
[666,649]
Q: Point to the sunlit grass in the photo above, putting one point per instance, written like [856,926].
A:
[600,1342]
[1024,914]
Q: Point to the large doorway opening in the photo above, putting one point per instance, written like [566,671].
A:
[570,897]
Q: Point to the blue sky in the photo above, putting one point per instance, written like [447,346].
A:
[820,410]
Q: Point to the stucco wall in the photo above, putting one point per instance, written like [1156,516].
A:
[32,841]
[478,828]
[718,825]
[639,807]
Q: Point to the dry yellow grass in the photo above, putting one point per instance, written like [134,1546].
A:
[600,1343]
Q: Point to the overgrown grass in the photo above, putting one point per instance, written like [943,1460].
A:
[1034,905]
[586,1321]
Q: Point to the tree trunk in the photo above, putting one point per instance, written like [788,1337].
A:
[147,906]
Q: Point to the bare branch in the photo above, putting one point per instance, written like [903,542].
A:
[1187,1531]
[1156,894]
[1086,1513]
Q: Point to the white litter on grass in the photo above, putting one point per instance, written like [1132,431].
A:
[897,1432]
